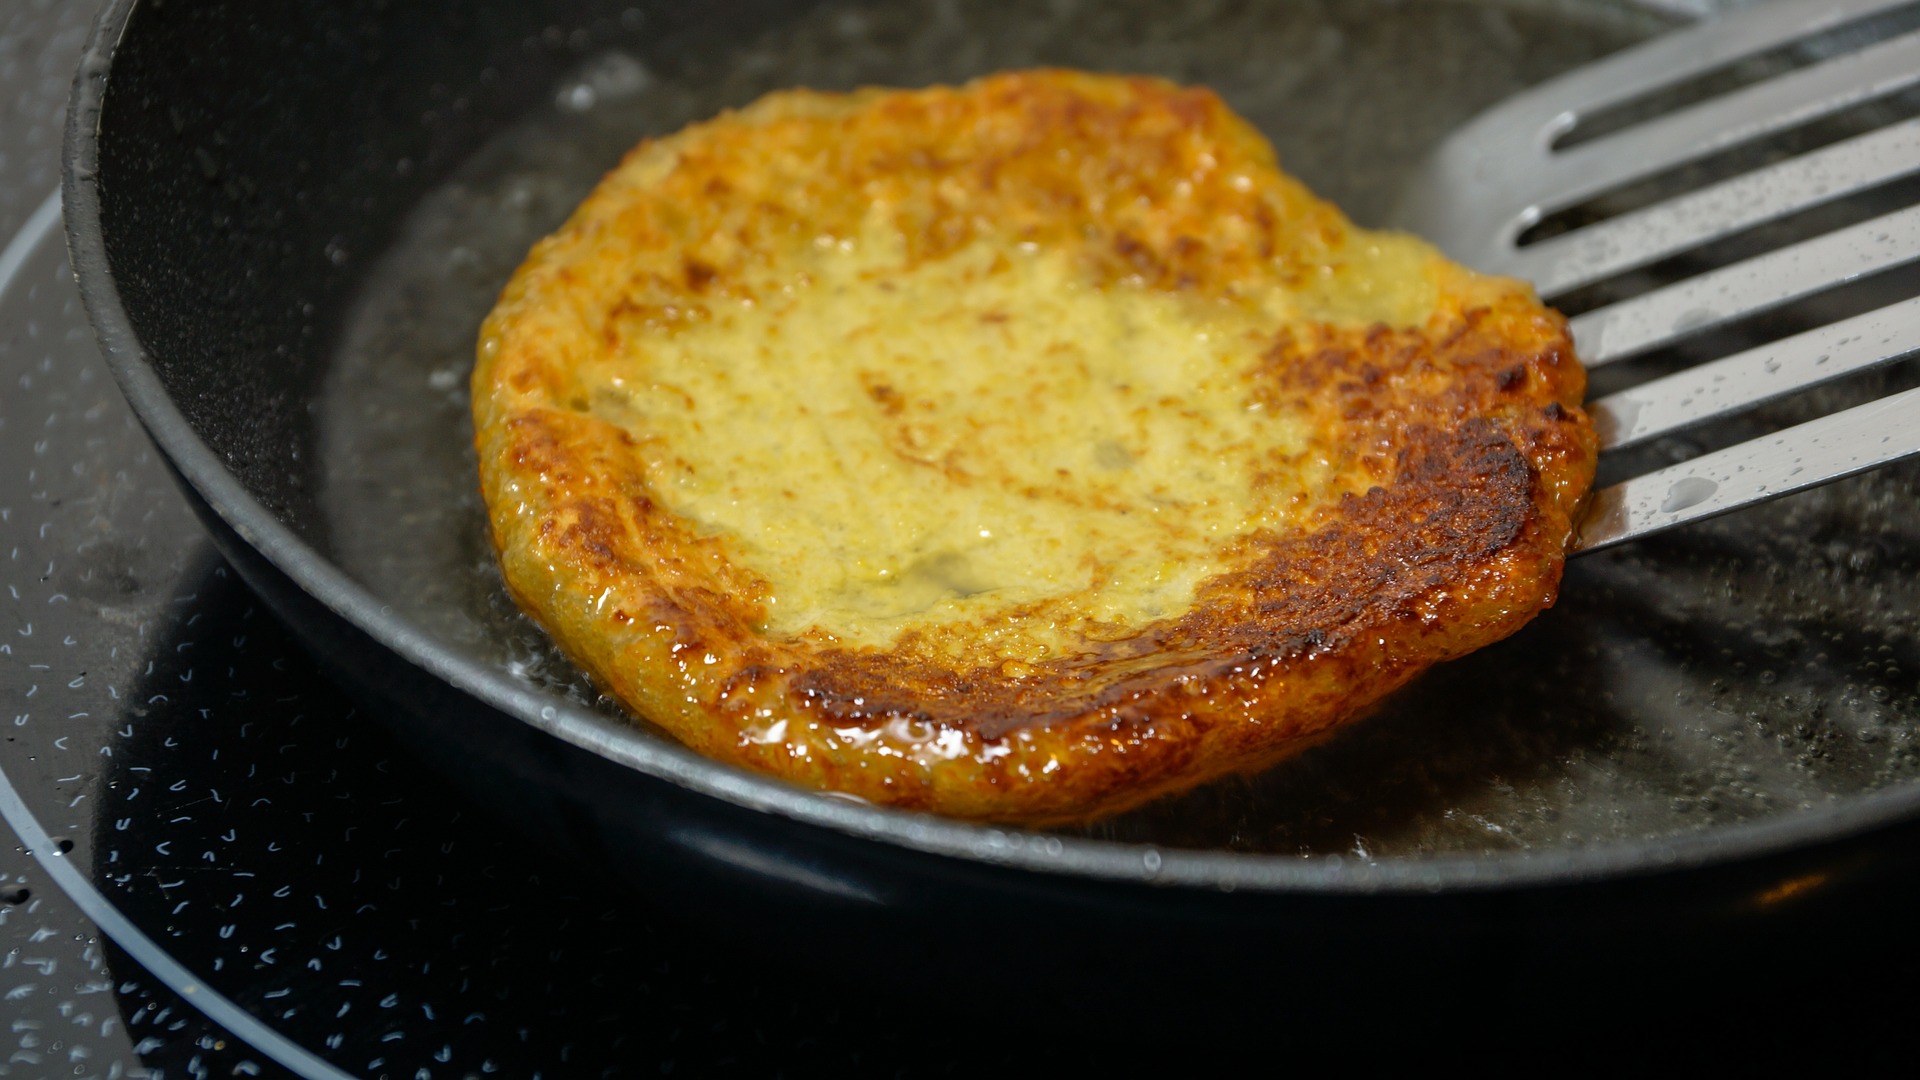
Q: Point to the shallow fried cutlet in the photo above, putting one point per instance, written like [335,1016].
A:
[1019,451]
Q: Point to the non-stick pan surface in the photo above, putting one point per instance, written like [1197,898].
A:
[1711,738]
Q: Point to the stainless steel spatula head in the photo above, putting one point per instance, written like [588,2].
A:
[1632,178]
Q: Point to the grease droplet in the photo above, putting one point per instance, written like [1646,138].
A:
[1690,491]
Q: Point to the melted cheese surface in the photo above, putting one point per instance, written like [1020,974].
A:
[894,443]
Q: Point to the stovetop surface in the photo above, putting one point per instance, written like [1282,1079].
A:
[225,869]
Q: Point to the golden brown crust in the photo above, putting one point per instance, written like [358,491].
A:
[1459,442]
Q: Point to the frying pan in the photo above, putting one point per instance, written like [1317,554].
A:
[234,172]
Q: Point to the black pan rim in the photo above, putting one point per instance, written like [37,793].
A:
[1067,857]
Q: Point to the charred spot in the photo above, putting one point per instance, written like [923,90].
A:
[1514,378]
[1141,258]
[745,677]
[856,702]
[1264,219]
[1555,412]
[883,393]
[1190,255]
[698,274]
[1193,108]
[595,532]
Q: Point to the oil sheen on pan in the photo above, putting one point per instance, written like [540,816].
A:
[1018,451]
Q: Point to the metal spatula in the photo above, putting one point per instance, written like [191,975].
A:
[1523,168]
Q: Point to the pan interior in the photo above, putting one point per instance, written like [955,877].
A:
[1764,664]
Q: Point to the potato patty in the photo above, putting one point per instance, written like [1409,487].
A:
[1018,451]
